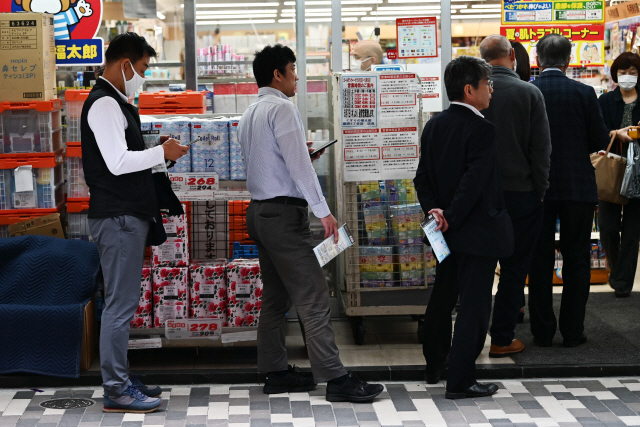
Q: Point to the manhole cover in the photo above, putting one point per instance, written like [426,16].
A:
[67,403]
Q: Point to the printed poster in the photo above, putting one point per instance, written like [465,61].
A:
[390,149]
[552,12]
[417,37]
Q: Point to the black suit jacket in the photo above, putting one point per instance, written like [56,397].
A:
[577,130]
[459,173]
[612,107]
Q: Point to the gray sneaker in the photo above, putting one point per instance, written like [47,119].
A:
[131,400]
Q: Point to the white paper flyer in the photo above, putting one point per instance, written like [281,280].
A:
[328,250]
[436,239]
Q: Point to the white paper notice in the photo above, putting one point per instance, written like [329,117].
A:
[400,152]
[359,100]
[328,250]
[361,154]
[23,178]
[431,85]
[417,37]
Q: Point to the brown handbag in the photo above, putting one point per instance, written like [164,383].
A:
[609,175]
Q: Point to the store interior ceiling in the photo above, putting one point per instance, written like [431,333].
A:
[384,12]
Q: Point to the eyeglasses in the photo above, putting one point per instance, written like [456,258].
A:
[490,84]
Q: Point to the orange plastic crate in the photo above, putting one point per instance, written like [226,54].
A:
[172,100]
[77,205]
[162,111]
[36,160]
[41,106]
[74,149]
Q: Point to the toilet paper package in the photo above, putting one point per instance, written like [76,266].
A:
[244,292]
[169,294]
[180,130]
[235,152]
[142,317]
[210,148]
[208,290]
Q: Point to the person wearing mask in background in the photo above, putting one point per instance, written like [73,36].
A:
[124,209]
[283,185]
[458,182]
[577,129]
[366,53]
[620,225]
[524,148]
[523,65]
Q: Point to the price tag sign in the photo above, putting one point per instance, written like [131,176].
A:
[181,329]
[194,186]
[222,196]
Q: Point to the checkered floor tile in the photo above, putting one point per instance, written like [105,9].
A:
[565,403]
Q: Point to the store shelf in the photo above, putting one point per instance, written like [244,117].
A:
[395,288]
[194,342]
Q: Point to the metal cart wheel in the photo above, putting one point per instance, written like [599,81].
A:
[357,326]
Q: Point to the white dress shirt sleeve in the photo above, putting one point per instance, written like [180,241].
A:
[108,125]
[289,134]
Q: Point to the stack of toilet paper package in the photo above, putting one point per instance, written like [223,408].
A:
[208,290]
[175,251]
[244,292]
[214,144]
[142,318]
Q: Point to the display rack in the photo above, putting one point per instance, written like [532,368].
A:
[373,210]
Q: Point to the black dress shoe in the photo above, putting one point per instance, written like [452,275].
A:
[352,390]
[541,342]
[434,377]
[293,381]
[575,342]
[476,390]
[622,294]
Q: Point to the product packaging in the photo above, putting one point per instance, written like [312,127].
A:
[208,290]
[244,292]
[169,294]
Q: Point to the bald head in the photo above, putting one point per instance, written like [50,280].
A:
[368,49]
[497,50]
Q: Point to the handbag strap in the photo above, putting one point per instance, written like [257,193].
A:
[613,138]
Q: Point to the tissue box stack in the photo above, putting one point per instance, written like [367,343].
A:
[411,265]
[208,290]
[179,130]
[377,266]
[405,224]
[210,149]
[431,265]
[244,292]
[235,152]
[169,294]
[175,251]
[142,318]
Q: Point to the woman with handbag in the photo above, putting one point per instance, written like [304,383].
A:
[620,225]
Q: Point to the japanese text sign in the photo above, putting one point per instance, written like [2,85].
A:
[417,37]
[551,12]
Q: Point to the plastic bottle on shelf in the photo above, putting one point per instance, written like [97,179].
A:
[234,67]
[220,58]
[212,69]
[241,68]
[202,57]
[227,57]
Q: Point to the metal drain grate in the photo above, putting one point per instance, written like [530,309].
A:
[67,403]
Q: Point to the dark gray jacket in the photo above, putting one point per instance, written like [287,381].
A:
[522,131]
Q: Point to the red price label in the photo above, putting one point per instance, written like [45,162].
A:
[193,329]
[392,54]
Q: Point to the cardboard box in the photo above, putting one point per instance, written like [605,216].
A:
[89,336]
[48,225]
[27,57]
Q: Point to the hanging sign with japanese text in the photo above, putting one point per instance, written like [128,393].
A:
[380,132]
[587,41]
[417,37]
[76,25]
[552,12]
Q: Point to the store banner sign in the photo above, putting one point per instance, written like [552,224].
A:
[552,12]
[76,25]
[587,41]
[417,37]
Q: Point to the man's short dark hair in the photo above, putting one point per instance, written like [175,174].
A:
[268,60]
[129,45]
[624,61]
[553,50]
[462,71]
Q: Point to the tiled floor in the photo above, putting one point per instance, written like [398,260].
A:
[566,403]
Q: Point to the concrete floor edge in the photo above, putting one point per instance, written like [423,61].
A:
[374,373]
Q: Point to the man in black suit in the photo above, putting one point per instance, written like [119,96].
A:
[577,129]
[458,182]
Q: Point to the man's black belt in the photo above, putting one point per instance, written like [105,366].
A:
[284,200]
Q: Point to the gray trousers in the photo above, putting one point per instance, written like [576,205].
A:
[291,275]
[121,243]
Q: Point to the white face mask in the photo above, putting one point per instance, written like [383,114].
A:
[515,64]
[357,64]
[131,86]
[627,82]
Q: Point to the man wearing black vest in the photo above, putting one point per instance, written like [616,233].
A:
[458,182]
[123,208]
